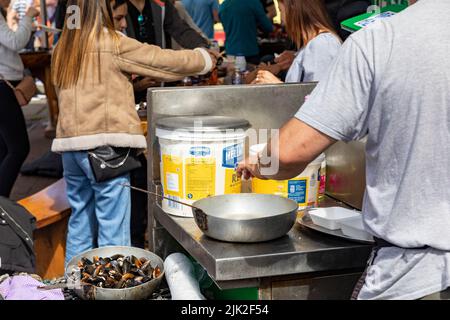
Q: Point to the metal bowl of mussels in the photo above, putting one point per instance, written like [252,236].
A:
[115,273]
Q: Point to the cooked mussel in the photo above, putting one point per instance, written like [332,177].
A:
[117,271]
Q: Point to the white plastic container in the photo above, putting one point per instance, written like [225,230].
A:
[354,228]
[303,189]
[180,276]
[331,218]
[198,158]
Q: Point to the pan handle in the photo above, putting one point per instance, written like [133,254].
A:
[201,219]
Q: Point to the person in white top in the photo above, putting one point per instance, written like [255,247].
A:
[308,25]
[14,144]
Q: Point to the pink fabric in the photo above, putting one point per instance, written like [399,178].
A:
[26,288]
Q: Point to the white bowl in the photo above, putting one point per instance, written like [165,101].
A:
[354,228]
[330,218]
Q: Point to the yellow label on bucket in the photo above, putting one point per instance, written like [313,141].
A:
[295,189]
[200,178]
[269,187]
[232,182]
[173,175]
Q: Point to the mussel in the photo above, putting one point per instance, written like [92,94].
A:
[117,271]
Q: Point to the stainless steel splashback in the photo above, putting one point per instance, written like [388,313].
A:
[346,172]
[265,107]
[268,106]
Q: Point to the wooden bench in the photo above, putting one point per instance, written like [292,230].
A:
[52,210]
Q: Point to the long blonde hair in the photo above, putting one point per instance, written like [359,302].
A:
[305,20]
[71,56]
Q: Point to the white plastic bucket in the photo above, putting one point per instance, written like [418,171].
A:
[196,165]
[303,189]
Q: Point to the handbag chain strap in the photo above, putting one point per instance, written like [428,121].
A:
[105,165]
[7,82]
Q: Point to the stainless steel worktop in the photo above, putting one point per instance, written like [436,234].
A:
[301,251]
[232,265]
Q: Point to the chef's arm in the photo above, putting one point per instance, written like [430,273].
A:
[299,145]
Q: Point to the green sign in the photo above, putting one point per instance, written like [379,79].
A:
[361,21]
[384,3]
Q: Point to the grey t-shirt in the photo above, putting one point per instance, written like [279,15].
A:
[391,81]
[313,61]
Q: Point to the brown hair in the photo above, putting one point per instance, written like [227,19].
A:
[305,20]
[71,53]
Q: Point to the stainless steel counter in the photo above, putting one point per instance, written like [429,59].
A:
[302,264]
[301,251]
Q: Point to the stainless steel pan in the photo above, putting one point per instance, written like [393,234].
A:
[245,217]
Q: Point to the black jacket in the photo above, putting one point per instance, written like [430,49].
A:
[168,24]
[16,238]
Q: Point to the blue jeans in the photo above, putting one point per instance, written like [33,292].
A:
[100,211]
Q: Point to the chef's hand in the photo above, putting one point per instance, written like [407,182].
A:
[285,59]
[249,168]
[32,12]
[266,77]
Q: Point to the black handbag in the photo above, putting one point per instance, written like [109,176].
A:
[110,162]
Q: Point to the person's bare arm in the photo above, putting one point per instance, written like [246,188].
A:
[299,145]
[266,77]
[273,68]
[285,60]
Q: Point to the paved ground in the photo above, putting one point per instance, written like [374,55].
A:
[36,115]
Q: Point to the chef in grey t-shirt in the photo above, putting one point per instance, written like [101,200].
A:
[391,83]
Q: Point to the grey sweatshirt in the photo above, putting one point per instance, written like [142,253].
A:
[11,66]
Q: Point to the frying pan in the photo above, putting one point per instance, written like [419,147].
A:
[246,217]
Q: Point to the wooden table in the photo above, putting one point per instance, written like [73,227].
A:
[40,65]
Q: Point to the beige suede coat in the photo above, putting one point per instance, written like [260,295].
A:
[98,112]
